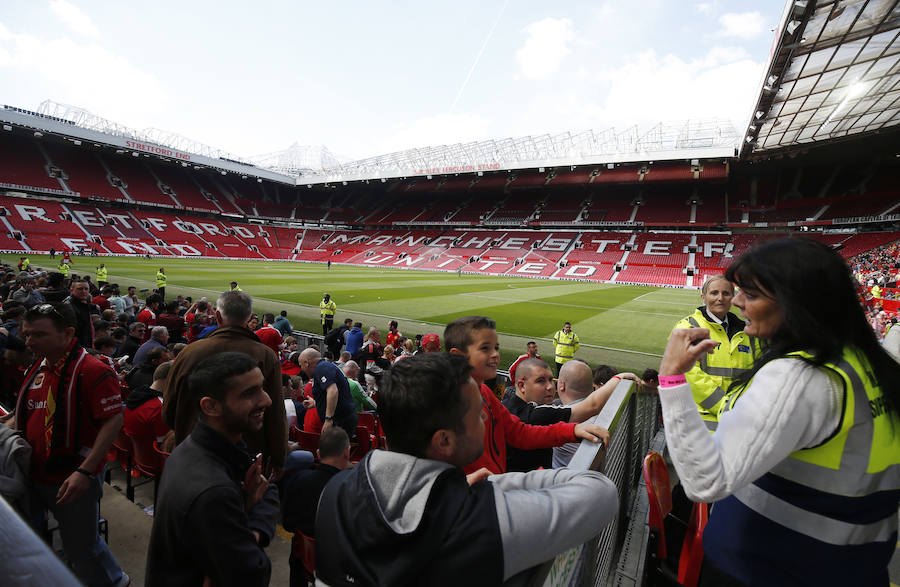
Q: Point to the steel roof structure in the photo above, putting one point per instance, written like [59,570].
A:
[834,72]
[666,140]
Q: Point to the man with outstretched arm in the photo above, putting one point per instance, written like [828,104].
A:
[411,516]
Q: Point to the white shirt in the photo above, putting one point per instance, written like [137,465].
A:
[789,405]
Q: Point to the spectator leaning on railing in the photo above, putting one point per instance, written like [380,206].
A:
[410,516]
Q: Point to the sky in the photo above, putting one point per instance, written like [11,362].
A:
[370,77]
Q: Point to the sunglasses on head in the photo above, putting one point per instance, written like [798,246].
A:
[47,309]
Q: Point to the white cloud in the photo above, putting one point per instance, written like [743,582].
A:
[75,18]
[647,88]
[439,129]
[706,7]
[743,25]
[85,75]
[723,55]
[546,47]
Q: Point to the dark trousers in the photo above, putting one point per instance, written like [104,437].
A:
[327,325]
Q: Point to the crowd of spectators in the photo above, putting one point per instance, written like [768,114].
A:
[148,351]
[877,273]
[234,397]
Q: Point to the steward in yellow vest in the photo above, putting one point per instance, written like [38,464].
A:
[565,343]
[161,283]
[102,275]
[327,308]
[840,495]
[804,466]
[711,376]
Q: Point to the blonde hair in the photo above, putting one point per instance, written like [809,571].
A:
[709,280]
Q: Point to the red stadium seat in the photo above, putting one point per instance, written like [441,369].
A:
[363,444]
[660,520]
[367,420]
[149,460]
[303,548]
[309,441]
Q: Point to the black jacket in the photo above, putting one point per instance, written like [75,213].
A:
[141,376]
[300,492]
[200,526]
[129,347]
[397,520]
[84,327]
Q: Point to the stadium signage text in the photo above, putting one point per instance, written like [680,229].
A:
[157,150]
[126,222]
[458,169]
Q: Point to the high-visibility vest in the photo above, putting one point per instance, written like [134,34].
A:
[160,279]
[101,273]
[63,268]
[566,345]
[711,376]
[827,513]
[327,309]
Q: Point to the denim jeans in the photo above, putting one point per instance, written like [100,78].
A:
[88,554]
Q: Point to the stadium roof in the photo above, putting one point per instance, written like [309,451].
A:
[693,139]
[80,126]
[834,72]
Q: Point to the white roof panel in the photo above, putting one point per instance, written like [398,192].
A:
[835,71]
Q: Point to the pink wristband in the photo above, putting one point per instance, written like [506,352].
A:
[671,380]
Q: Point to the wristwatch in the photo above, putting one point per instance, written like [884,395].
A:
[329,418]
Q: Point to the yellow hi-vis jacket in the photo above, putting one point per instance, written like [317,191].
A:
[63,268]
[327,309]
[102,273]
[859,464]
[566,345]
[160,279]
[711,376]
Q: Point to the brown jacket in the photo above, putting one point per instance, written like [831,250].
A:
[180,411]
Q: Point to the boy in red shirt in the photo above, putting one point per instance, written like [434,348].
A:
[476,338]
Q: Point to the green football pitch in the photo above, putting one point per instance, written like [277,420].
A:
[620,325]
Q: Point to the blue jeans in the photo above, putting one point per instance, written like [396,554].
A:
[88,554]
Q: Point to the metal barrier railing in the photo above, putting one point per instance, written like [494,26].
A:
[632,418]
[305,339]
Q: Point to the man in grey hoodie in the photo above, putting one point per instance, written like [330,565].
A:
[411,516]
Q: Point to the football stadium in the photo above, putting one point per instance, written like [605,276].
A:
[617,232]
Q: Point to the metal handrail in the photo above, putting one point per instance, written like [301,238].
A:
[632,418]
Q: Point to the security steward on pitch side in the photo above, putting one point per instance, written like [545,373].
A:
[327,308]
[102,275]
[565,343]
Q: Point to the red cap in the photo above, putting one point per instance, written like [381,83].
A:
[431,342]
